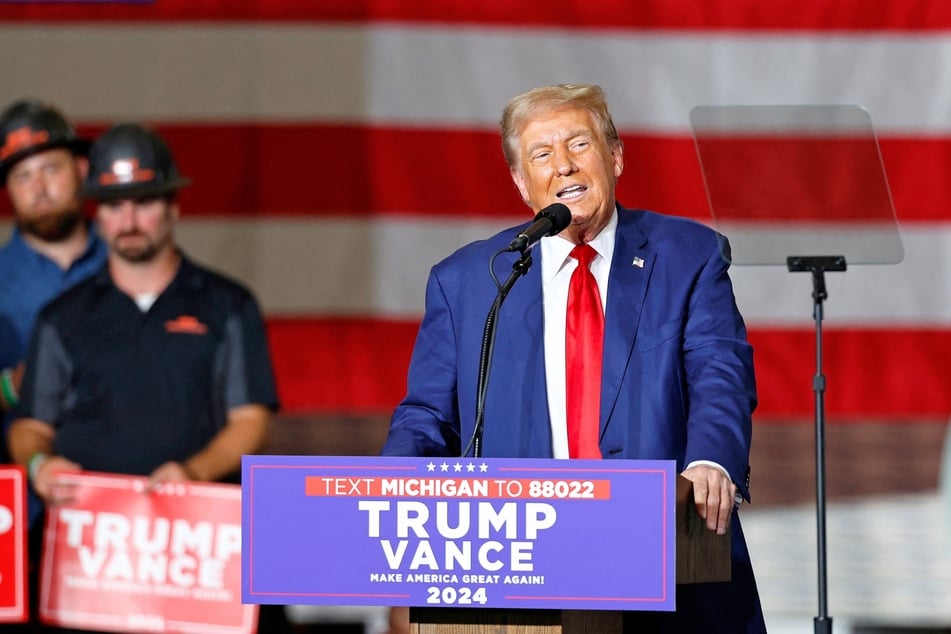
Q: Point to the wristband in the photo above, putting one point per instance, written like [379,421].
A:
[33,465]
[10,396]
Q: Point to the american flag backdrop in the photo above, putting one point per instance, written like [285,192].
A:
[339,148]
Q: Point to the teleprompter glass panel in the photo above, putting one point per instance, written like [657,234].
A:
[803,180]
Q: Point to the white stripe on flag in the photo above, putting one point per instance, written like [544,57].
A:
[379,267]
[275,71]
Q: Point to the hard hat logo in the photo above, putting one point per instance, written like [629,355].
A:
[131,161]
[126,171]
[22,139]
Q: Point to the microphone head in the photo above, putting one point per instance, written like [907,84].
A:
[549,221]
[558,214]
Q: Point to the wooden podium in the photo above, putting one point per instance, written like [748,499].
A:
[702,557]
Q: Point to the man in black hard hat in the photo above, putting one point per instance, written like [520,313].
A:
[149,330]
[155,366]
[42,165]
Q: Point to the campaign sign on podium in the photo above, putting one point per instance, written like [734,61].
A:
[13,593]
[121,557]
[459,532]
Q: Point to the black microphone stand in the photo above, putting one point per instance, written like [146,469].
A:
[818,265]
[519,268]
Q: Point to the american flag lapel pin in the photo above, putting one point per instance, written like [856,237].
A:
[638,262]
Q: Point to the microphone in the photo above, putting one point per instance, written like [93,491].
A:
[551,220]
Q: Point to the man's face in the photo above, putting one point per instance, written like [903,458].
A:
[136,230]
[563,157]
[45,191]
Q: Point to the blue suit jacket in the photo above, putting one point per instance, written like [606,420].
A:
[678,378]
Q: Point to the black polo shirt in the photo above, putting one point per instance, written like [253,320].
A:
[128,391]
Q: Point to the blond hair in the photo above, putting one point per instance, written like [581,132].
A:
[521,108]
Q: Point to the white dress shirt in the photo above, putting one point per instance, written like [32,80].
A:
[557,267]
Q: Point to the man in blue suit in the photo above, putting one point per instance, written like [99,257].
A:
[676,376]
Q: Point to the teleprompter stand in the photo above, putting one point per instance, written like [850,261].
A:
[806,180]
[702,556]
[818,265]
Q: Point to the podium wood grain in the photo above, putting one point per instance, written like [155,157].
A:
[702,555]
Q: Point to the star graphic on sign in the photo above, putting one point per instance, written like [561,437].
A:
[444,467]
[457,467]
[470,467]
[483,467]
[430,466]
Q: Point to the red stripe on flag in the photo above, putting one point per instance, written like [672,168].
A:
[301,169]
[813,15]
[331,170]
[358,366]
[882,371]
[340,365]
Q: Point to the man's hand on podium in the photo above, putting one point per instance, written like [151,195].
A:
[713,494]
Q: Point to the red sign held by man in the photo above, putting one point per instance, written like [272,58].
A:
[13,593]
[123,558]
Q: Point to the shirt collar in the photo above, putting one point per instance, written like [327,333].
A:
[93,245]
[186,271]
[555,250]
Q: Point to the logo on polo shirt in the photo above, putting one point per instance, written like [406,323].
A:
[186,324]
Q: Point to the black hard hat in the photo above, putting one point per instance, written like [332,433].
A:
[131,161]
[29,126]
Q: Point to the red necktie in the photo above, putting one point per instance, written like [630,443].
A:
[584,341]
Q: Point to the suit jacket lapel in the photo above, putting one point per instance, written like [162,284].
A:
[518,374]
[630,272]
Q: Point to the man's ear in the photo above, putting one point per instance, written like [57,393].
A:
[519,179]
[82,166]
[617,153]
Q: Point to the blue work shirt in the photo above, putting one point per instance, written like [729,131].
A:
[28,281]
